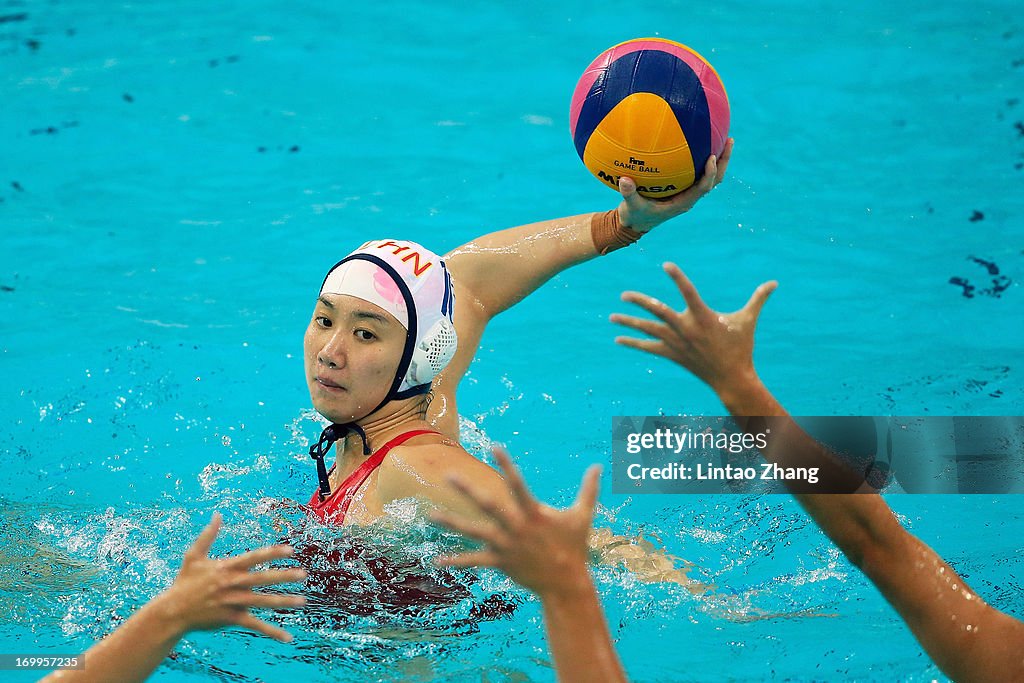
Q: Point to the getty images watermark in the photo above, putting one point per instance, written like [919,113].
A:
[700,454]
[675,442]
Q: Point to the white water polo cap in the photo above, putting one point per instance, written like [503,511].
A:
[412,284]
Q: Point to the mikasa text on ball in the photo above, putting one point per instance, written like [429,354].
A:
[651,109]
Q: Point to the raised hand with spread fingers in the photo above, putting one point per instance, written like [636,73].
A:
[716,347]
[545,550]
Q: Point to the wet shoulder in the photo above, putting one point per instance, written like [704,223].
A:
[411,467]
[425,454]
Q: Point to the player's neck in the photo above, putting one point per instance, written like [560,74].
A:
[394,419]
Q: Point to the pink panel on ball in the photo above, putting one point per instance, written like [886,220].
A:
[583,87]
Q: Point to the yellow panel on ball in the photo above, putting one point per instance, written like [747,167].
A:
[641,138]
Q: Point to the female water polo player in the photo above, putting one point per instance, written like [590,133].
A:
[395,328]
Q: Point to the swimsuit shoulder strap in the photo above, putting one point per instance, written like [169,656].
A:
[352,483]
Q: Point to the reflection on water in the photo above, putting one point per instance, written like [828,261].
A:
[32,571]
[374,597]
[378,609]
[375,578]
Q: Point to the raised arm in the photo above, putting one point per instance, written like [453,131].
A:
[544,550]
[967,638]
[207,594]
[495,271]
[499,269]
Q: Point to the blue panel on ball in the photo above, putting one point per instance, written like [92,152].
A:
[658,73]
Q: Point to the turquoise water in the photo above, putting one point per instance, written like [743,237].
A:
[176,178]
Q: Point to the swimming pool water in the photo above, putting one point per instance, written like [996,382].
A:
[176,178]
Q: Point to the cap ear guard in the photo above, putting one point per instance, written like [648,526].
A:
[433,353]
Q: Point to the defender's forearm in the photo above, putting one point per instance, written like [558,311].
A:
[968,639]
[578,636]
[855,523]
[132,652]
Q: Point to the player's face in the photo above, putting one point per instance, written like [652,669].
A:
[352,349]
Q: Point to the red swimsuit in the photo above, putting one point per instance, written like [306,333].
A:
[333,508]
